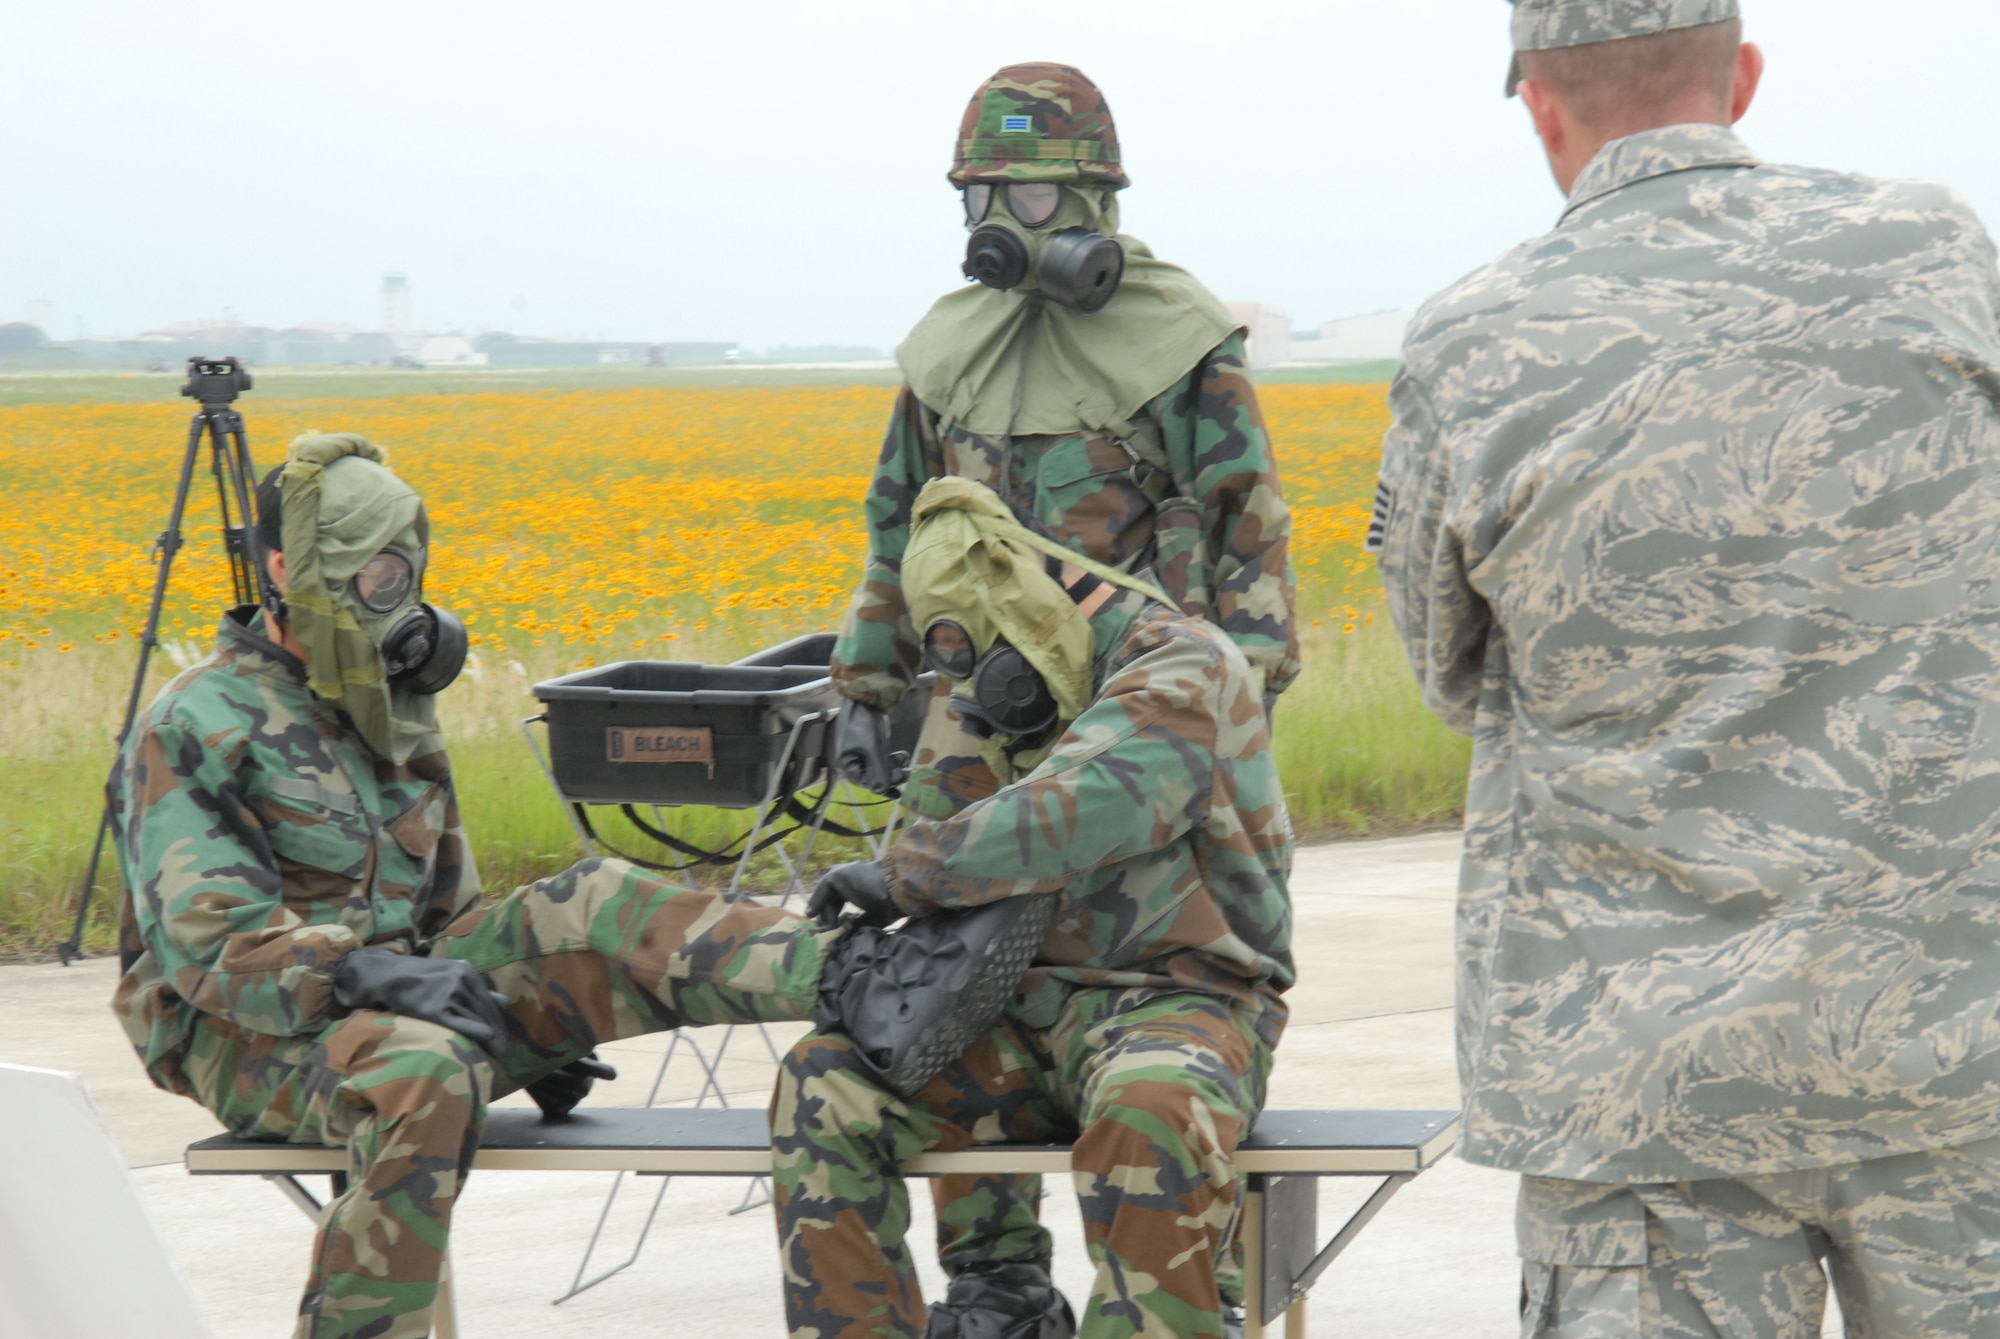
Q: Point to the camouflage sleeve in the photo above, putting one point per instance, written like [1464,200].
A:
[1442,620]
[1133,774]
[1216,443]
[207,895]
[875,658]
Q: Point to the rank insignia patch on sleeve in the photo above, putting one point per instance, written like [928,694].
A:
[1378,523]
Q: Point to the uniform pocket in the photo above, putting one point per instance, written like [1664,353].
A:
[1181,559]
[1579,1222]
[419,828]
[1086,492]
[1583,1251]
[314,825]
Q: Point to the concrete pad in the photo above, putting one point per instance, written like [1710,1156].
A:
[1371,1027]
[60,1018]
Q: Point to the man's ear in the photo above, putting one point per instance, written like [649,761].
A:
[1749,73]
[1541,105]
[276,560]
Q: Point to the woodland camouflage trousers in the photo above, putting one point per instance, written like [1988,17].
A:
[1156,1092]
[596,953]
[985,1219]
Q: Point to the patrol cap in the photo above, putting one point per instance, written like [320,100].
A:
[1541,25]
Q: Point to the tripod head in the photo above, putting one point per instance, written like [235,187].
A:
[215,382]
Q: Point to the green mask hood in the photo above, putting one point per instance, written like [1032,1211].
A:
[971,562]
[1011,363]
[342,507]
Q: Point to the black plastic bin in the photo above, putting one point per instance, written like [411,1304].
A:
[906,720]
[668,732]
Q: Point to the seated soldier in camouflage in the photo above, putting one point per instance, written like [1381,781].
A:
[1139,794]
[307,953]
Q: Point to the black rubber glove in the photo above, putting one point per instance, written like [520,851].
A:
[562,1091]
[444,991]
[861,750]
[859,884]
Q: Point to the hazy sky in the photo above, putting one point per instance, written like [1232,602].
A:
[774,172]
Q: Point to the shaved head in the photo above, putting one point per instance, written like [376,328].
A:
[1618,88]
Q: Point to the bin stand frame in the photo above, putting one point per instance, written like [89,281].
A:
[758,1193]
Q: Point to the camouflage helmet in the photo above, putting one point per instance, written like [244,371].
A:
[1038,122]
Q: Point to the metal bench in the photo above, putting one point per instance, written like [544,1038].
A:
[1283,1158]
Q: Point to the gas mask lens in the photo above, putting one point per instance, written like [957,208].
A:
[385,582]
[978,199]
[1034,203]
[948,650]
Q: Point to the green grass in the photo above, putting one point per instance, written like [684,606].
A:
[1341,374]
[343,383]
[1358,753]
[91,386]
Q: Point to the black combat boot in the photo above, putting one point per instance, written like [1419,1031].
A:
[1002,1301]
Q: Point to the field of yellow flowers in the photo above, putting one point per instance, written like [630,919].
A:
[627,519]
[571,528]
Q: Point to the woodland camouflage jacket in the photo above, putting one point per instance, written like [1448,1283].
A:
[1190,490]
[1691,518]
[259,840]
[1158,817]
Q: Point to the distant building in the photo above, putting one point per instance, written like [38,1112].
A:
[396,318]
[1369,338]
[19,337]
[507,350]
[1270,332]
[449,351]
[169,348]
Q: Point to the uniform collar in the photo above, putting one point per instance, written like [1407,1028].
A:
[1656,153]
[242,637]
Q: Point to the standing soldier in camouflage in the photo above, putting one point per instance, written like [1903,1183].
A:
[1688,518]
[1147,807]
[306,950]
[1105,394]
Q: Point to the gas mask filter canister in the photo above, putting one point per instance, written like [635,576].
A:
[1006,695]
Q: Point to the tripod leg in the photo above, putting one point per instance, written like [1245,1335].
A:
[168,544]
[229,461]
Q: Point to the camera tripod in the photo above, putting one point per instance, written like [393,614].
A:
[214,383]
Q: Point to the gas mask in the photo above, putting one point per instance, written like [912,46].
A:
[423,648]
[1006,695]
[1006,614]
[1047,236]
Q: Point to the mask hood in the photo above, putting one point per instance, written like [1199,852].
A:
[342,507]
[970,562]
[1013,362]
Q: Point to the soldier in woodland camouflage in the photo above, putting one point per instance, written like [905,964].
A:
[1688,518]
[267,846]
[1145,1029]
[1131,434]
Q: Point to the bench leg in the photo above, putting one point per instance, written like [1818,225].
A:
[444,1315]
[1251,1226]
[1295,1320]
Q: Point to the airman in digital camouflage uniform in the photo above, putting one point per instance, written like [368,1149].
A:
[1128,429]
[1688,517]
[1151,810]
[306,950]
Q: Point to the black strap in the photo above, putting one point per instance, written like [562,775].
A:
[800,814]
